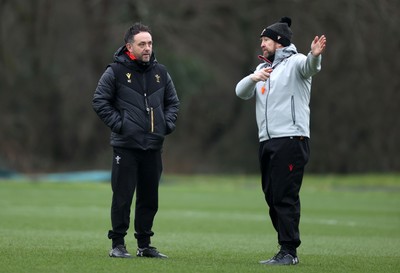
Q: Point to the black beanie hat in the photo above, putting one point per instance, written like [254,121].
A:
[280,32]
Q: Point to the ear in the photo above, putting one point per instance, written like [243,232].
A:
[129,47]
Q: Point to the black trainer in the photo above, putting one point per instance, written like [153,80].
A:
[150,252]
[282,258]
[119,252]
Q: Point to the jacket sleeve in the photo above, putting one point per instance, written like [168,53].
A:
[311,65]
[103,101]
[245,89]
[171,105]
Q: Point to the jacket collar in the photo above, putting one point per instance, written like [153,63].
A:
[120,56]
[285,52]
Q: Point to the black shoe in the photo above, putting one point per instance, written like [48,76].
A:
[150,252]
[282,258]
[119,252]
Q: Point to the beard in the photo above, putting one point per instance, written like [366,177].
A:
[145,58]
[269,55]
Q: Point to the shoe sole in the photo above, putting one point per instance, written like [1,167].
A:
[122,257]
[152,257]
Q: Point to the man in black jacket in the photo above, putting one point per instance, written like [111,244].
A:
[137,100]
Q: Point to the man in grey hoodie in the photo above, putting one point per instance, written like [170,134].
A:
[281,85]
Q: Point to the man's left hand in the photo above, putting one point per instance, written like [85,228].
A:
[318,45]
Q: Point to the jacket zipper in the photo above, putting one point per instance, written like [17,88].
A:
[266,103]
[266,109]
[149,109]
[293,110]
[150,112]
[151,120]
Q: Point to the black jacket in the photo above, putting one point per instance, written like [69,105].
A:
[138,101]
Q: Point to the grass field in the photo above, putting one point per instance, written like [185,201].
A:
[205,224]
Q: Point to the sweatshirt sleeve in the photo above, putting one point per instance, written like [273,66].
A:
[245,89]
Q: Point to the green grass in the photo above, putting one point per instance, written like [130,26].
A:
[205,224]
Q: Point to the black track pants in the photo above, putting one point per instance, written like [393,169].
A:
[134,170]
[282,162]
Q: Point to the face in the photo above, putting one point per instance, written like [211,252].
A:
[141,47]
[269,46]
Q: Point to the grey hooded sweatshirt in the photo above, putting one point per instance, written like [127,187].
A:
[282,102]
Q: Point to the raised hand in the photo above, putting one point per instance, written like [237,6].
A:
[318,45]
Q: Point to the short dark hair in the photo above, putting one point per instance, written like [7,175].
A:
[135,29]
